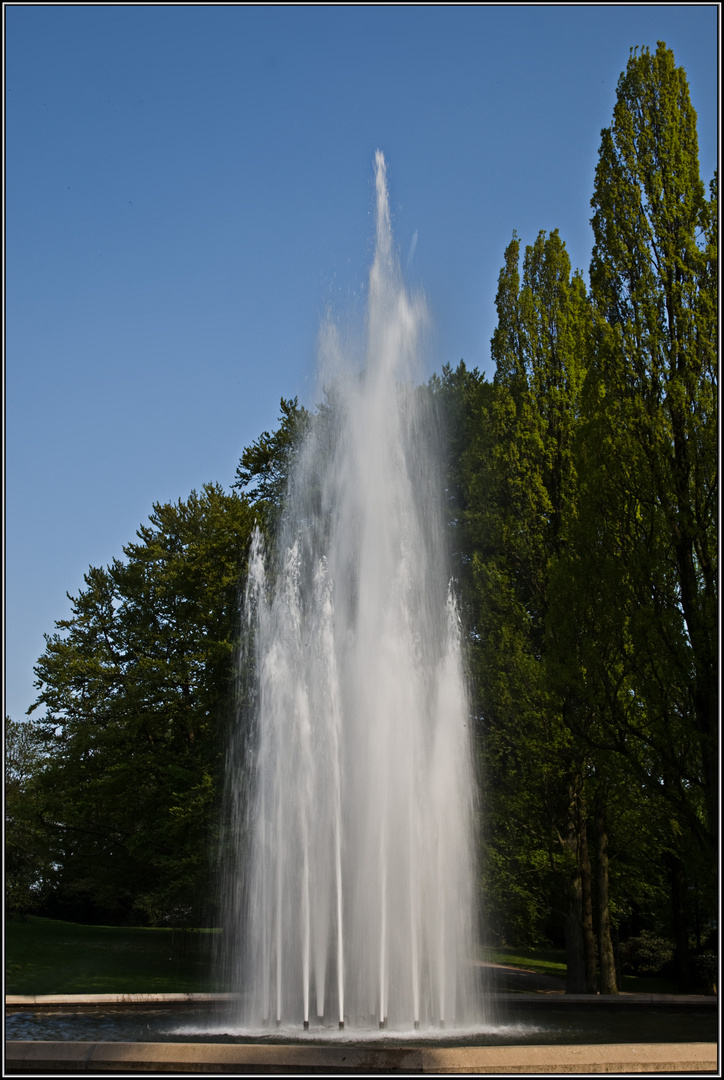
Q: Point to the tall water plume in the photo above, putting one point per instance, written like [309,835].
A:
[354,897]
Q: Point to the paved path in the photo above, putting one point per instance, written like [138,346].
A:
[505,978]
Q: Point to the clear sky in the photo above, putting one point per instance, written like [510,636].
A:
[189,190]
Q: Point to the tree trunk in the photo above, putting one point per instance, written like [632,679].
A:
[589,940]
[575,956]
[682,958]
[605,945]
[575,964]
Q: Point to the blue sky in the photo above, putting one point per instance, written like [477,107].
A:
[189,191]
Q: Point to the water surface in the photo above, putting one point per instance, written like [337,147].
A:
[524,1026]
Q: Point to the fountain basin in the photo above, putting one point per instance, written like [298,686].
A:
[523,1019]
[289,1059]
[541,1033]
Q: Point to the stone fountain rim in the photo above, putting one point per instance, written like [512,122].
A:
[39,1001]
[202,1057]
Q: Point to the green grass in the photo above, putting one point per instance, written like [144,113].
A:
[636,984]
[553,962]
[47,956]
[544,961]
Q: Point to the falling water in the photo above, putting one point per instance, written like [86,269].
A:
[356,904]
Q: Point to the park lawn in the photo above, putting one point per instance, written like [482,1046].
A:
[553,962]
[48,956]
[544,961]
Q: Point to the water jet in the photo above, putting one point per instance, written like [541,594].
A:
[352,781]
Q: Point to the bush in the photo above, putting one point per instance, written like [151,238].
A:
[706,966]
[646,955]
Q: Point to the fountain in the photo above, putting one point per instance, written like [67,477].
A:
[353,899]
[350,895]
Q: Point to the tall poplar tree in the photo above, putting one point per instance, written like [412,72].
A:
[652,453]
[523,497]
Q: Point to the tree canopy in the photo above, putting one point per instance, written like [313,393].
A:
[138,688]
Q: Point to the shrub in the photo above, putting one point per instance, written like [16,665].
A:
[646,954]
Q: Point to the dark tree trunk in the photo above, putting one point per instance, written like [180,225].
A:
[575,955]
[679,912]
[605,945]
[589,940]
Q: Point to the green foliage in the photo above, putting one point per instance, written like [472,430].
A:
[707,969]
[265,466]
[28,864]
[583,494]
[119,814]
[646,954]
[138,688]
[520,482]
[650,450]
[460,401]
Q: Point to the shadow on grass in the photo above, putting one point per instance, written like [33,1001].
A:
[553,962]
[48,956]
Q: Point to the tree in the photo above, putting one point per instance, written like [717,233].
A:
[461,401]
[138,688]
[651,450]
[522,492]
[28,865]
[265,466]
